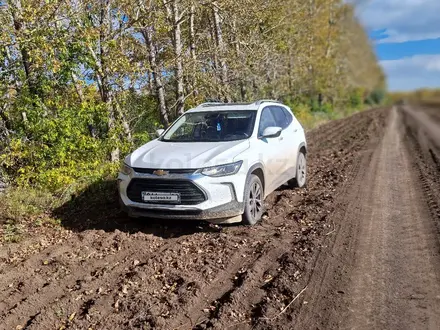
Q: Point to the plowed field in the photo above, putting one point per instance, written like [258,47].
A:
[358,248]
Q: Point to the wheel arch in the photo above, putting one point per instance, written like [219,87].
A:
[258,170]
[302,148]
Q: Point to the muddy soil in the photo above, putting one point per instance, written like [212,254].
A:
[362,234]
[382,270]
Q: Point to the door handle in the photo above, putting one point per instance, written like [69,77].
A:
[281,138]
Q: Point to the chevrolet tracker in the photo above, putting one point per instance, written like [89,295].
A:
[217,162]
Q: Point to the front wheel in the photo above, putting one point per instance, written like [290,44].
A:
[254,197]
[300,180]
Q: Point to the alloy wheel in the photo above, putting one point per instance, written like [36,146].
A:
[255,200]
[301,170]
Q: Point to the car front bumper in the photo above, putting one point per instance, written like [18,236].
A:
[223,197]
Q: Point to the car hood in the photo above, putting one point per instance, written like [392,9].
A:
[185,155]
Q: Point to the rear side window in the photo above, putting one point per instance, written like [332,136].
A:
[282,117]
[289,116]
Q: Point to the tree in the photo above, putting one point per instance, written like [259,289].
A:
[81,82]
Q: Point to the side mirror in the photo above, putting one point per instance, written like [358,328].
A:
[159,132]
[271,132]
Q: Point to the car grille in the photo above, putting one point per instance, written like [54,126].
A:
[170,171]
[190,194]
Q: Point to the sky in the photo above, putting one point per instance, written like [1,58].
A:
[406,36]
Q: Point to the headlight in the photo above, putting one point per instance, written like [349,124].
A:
[125,169]
[222,170]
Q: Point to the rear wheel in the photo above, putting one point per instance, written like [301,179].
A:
[254,195]
[300,180]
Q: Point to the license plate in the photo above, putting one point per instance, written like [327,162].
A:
[156,197]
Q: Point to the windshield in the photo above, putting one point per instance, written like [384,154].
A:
[212,126]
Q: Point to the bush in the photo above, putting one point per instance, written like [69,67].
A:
[304,115]
[58,150]
[20,203]
[356,99]
[327,108]
[314,105]
[376,97]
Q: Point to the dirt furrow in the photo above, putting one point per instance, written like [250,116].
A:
[63,282]
[382,267]
[113,272]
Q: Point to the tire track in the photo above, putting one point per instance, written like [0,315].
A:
[214,277]
[382,266]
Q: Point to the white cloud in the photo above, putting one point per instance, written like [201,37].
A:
[402,20]
[414,72]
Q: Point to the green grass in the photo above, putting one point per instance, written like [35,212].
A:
[21,208]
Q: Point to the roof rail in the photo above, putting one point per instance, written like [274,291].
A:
[214,104]
[209,104]
[259,102]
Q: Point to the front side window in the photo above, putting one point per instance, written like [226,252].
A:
[266,120]
[212,126]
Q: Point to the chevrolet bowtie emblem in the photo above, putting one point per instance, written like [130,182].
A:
[160,172]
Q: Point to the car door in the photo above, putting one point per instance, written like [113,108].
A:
[270,150]
[296,132]
[287,144]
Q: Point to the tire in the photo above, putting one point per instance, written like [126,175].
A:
[253,199]
[300,179]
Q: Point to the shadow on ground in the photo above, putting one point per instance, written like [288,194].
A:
[97,208]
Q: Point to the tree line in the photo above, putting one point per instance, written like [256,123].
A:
[83,81]
[428,96]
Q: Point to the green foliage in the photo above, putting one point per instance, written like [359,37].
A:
[315,106]
[377,96]
[356,99]
[21,208]
[327,108]
[12,232]
[19,203]
[78,94]
[53,150]
[318,105]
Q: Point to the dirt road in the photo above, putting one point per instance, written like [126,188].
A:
[383,271]
[359,248]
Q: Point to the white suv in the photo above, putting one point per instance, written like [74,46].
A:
[217,162]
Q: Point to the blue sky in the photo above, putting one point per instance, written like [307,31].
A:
[406,36]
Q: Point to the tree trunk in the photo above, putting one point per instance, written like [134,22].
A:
[192,34]
[221,48]
[78,87]
[124,122]
[241,80]
[106,92]
[311,48]
[290,71]
[178,60]
[214,54]
[192,49]
[329,33]
[6,123]
[150,87]
[15,10]
[111,125]
[160,91]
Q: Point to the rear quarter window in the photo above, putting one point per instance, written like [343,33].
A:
[289,116]
[282,116]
